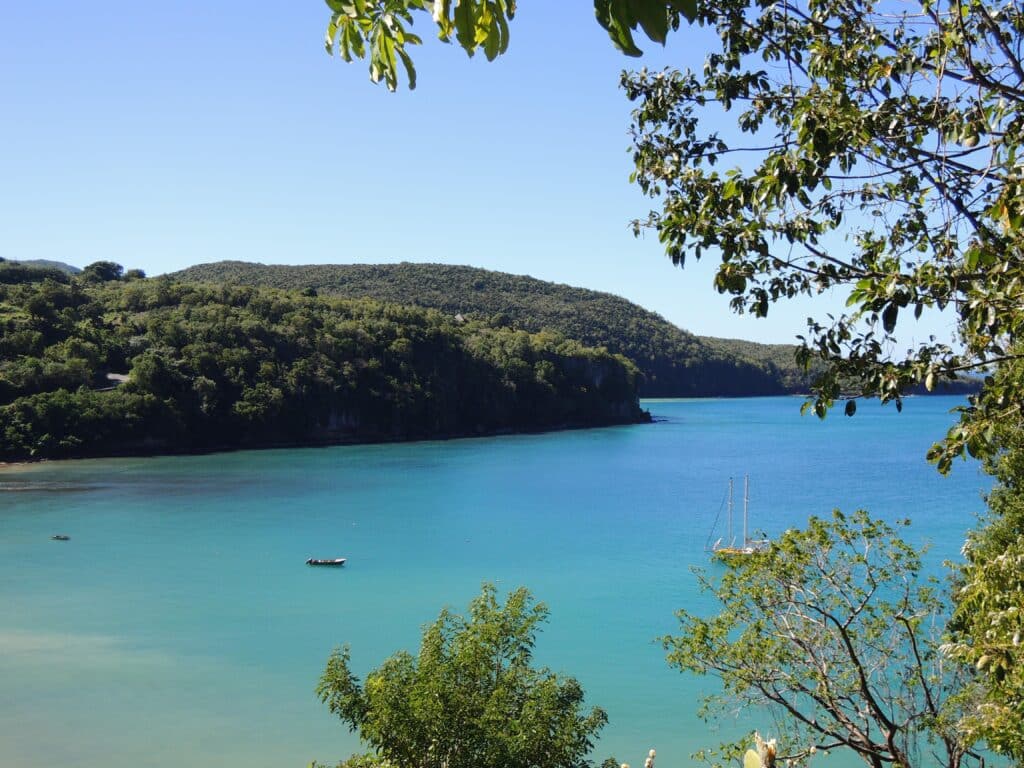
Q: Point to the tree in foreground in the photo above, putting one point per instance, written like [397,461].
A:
[380,29]
[835,635]
[988,624]
[876,154]
[470,699]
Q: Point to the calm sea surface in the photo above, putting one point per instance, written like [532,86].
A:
[180,626]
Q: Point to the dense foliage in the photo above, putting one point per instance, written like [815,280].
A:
[834,634]
[89,367]
[12,272]
[875,154]
[470,699]
[674,363]
[59,266]
[988,623]
[380,29]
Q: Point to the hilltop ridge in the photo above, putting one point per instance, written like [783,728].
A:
[674,362]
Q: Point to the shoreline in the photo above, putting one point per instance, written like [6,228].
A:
[327,443]
[137,453]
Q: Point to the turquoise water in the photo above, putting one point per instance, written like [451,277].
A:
[180,626]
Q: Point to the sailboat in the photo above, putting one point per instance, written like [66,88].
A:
[748,546]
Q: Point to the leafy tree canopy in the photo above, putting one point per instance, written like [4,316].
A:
[379,29]
[988,621]
[471,698]
[876,153]
[674,363]
[102,272]
[836,634]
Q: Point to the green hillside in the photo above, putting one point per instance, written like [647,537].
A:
[128,366]
[674,363]
[59,266]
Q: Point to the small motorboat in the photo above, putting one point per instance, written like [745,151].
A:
[336,561]
[60,537]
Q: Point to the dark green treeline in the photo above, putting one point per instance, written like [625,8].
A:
[106,364]
[674,363]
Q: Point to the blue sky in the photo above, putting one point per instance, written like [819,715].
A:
[163,135]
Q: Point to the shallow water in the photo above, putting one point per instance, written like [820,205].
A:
[180,625]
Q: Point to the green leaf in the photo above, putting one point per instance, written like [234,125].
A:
[442,15]
[653,17]
[410,70]
[686,7]
[503,30]
[889,316]
[613,16]
[332,32]
[492,45]
[465,25]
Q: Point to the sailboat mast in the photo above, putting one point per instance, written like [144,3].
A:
[746,497]
[729,538]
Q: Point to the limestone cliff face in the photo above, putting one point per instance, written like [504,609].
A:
[586,393]
[612,383]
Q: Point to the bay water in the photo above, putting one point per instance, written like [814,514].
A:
[180,626]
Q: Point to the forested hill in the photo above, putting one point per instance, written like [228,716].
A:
[60,266]
[674,363]
[105,364]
